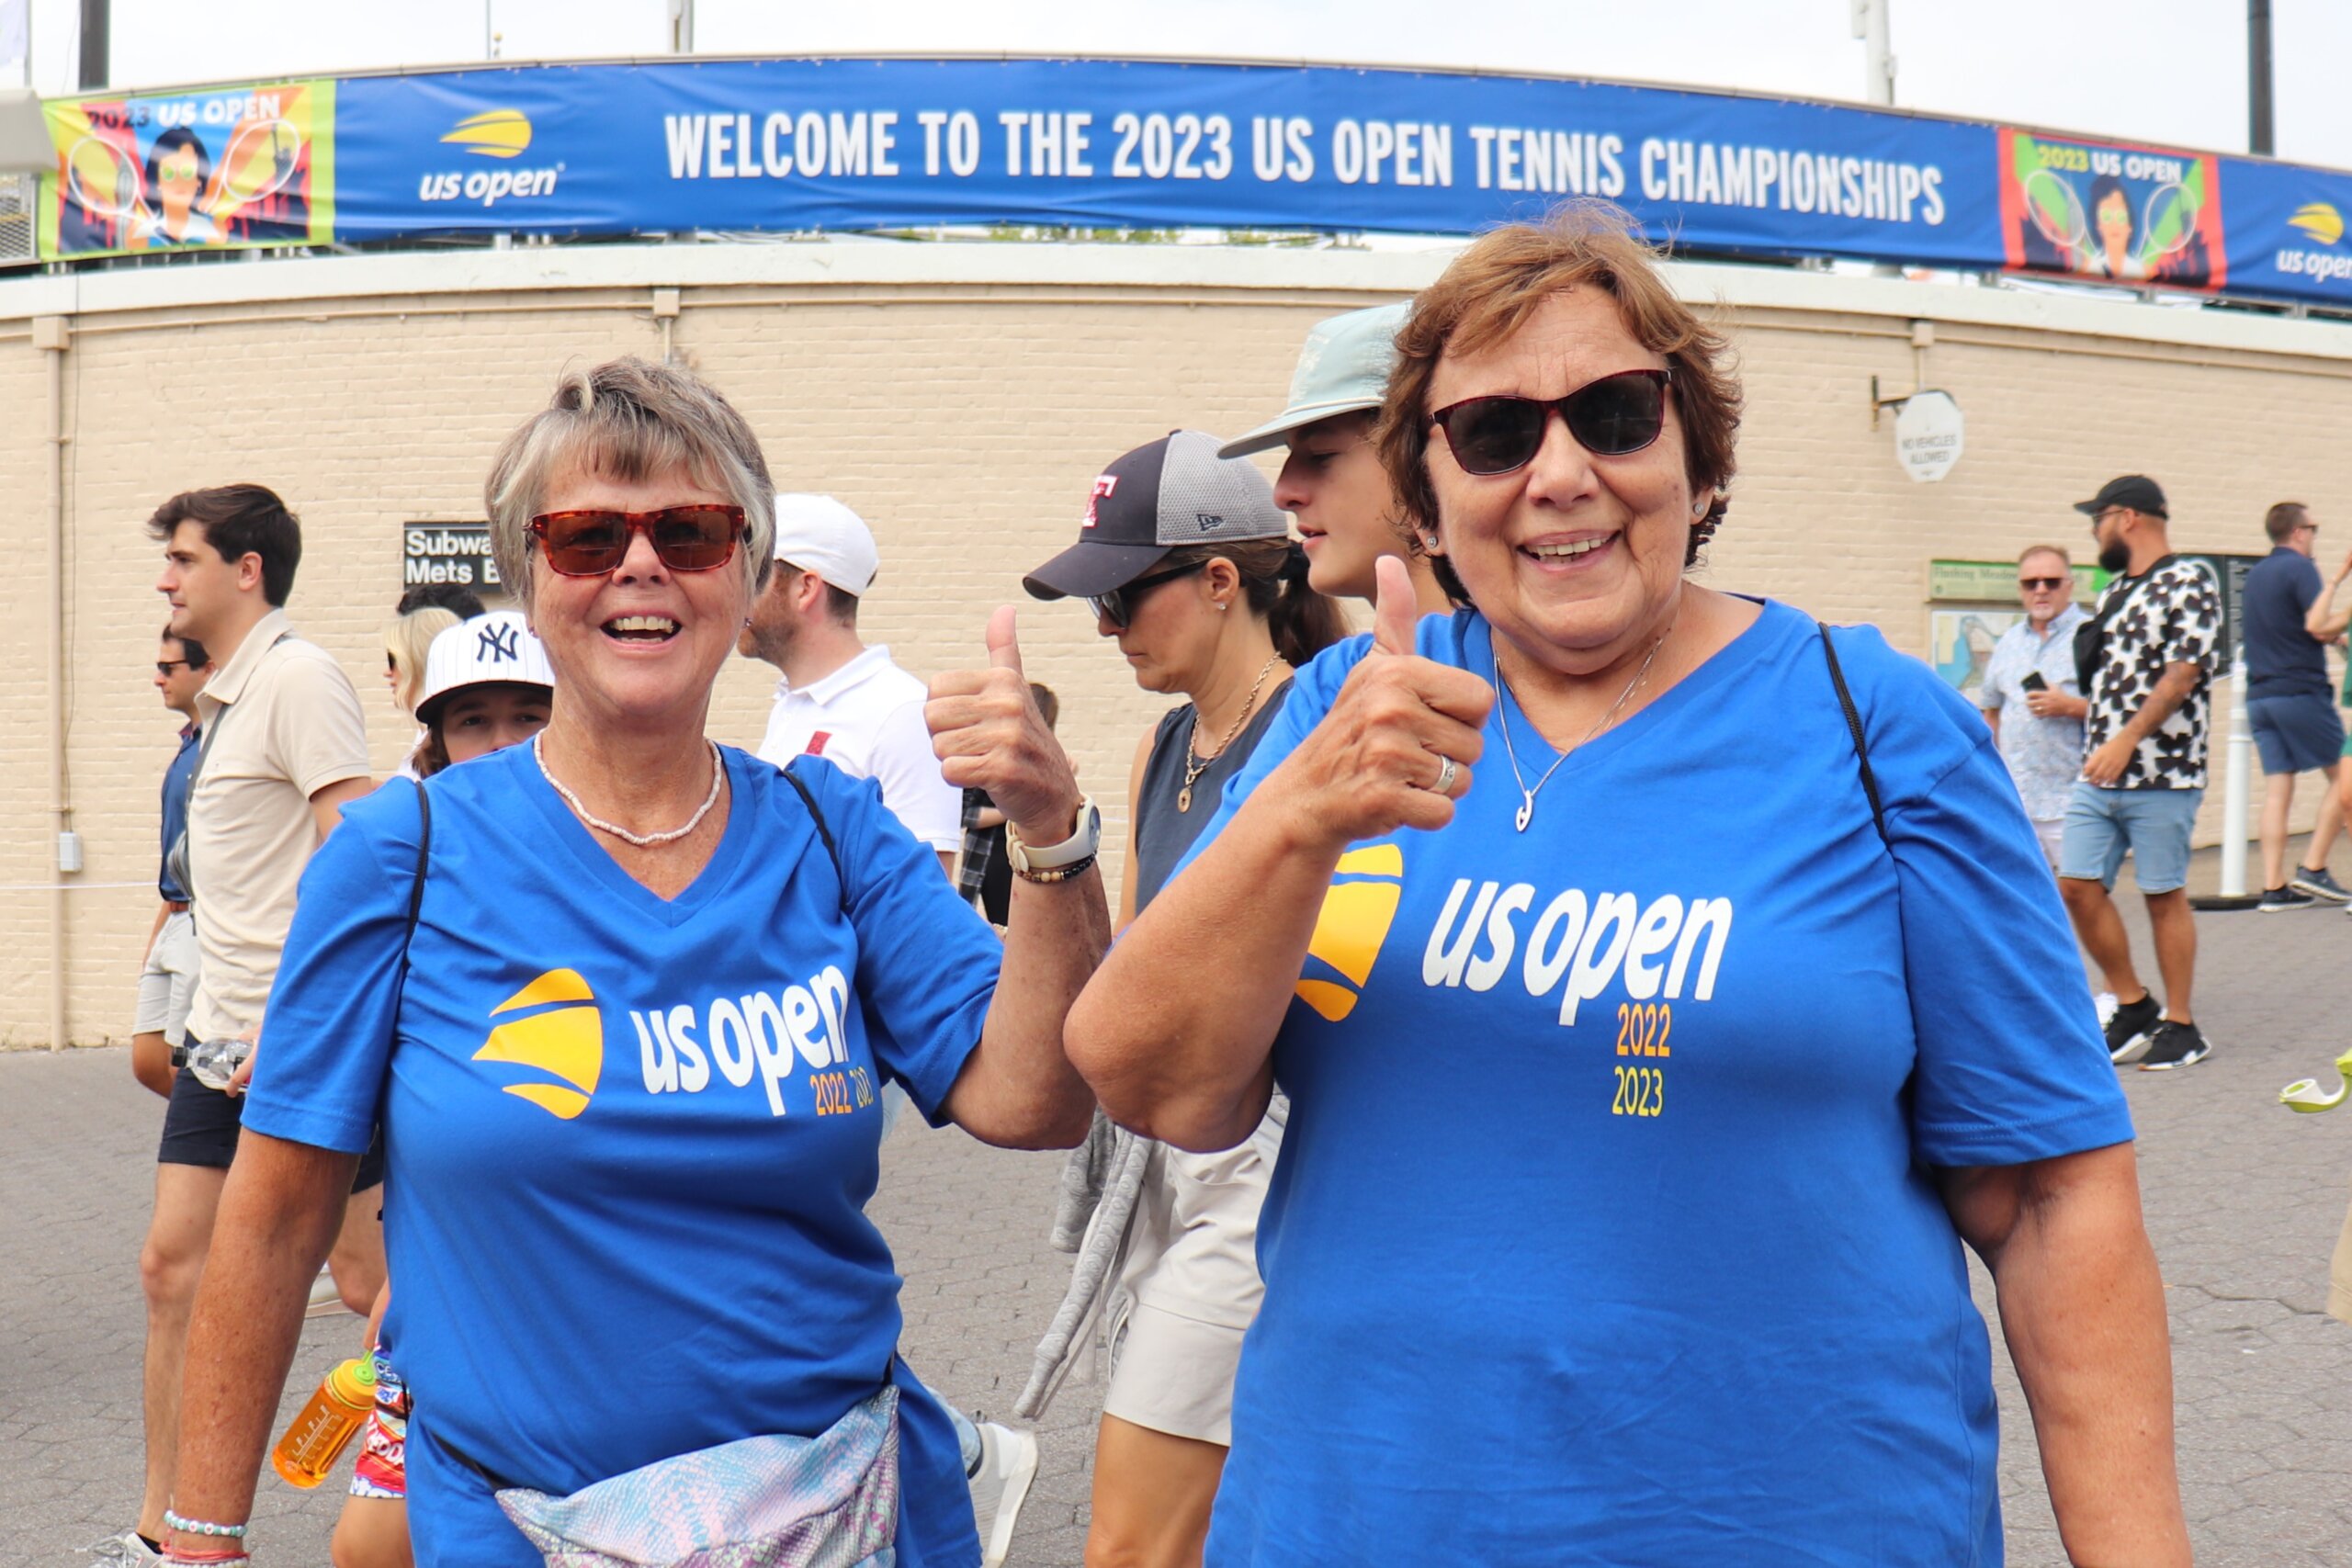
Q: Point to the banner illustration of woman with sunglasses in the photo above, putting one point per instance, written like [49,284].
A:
[2094,210]
[234,168]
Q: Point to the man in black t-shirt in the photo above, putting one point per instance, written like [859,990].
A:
[2291,705]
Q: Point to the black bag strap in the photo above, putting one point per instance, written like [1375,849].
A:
[824,832]
[1854,727]
[416,883]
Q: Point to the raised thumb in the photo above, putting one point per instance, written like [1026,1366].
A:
[1004,648]
[1394,607]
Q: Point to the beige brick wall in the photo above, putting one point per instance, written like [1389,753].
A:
[962,398]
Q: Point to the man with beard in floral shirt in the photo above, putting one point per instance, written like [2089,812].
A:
[2146,663]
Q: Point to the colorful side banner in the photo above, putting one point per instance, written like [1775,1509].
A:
[224,168]
[794,145]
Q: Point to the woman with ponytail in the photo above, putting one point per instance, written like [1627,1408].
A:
[1184,559]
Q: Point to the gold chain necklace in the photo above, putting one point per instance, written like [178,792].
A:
[1194,766]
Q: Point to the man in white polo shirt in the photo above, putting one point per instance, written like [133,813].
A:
[284,747]
[840,699]
[850,705]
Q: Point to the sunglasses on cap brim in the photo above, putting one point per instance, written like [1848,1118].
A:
[1612,417]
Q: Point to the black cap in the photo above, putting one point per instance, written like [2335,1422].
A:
[1175,490]
[2137,491]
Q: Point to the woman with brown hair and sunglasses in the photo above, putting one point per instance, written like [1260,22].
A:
[1644,1093]
[624,1002]
[1185,559]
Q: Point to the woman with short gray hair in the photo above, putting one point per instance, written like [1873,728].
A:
[624,1001]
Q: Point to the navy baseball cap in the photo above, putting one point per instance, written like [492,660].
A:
[1175,490]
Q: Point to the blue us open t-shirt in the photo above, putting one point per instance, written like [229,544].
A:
[629,1142]
[1604,1231]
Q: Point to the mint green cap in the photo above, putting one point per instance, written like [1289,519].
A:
[1342,369]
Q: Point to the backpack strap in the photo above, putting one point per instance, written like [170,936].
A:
[1854,727]
[824,832]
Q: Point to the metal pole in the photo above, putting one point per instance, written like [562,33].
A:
[2236,782]
[1878,59]
[681,27]
[95,17]
[2259,137]
[50,335]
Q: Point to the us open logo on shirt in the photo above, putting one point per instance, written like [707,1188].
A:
[1366,888]
[559,1031]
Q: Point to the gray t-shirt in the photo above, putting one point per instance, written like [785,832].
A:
[1163,833]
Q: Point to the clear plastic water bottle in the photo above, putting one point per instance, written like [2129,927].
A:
[215,1062]
[317,1436]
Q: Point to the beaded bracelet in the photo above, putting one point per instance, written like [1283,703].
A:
[198,1526]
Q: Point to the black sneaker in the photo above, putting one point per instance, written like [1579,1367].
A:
[2320,885]
[2174,1046]
[2128,1030]
[2277,900]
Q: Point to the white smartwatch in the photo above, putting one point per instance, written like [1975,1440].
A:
[1057,862]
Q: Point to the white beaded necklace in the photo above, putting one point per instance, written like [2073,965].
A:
[642,841]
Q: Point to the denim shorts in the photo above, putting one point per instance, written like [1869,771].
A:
[2297,734]
[2152,824]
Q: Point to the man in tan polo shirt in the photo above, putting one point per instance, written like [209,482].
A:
[283,748]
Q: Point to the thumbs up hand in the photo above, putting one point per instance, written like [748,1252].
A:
[988,733]
[1395,750]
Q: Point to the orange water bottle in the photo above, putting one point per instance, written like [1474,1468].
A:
[317,1436]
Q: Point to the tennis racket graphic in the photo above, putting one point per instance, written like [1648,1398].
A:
[2168,223]
[2057,212]
[262,159]
[103,180]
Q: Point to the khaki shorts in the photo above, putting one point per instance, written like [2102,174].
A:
[1189,1288]
[167,983]
[2340,1275]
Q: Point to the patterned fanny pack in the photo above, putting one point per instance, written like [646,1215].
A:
[830,1501]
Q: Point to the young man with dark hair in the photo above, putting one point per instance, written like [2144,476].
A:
[167,980]
[283,748]
[2291,705]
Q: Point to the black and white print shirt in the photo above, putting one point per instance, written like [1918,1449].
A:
[2174,619]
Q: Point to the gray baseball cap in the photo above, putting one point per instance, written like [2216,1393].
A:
[1175,490]
[1342,369]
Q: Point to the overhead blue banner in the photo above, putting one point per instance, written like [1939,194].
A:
[796,144]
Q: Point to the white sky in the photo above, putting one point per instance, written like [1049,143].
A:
[2168,70]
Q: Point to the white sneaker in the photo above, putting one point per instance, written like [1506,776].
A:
[2104,1004]
[126,1548]
[1008,1464]
[325,1299]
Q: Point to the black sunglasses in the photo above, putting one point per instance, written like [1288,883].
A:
[165,666]
[591,542]
[1611,417]
[2042,582]
[1118,605]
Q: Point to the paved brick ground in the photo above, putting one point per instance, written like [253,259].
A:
[2243,1200]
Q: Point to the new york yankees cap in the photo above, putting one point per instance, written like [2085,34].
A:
[1175,490]
[494,649]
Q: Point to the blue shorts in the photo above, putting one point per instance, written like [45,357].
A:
[2152,823]
[2296,735]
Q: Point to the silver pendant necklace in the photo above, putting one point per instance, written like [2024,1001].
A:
[1503,716]
[642,841]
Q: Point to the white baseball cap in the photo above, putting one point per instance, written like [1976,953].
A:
[494,649]
[818,534]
